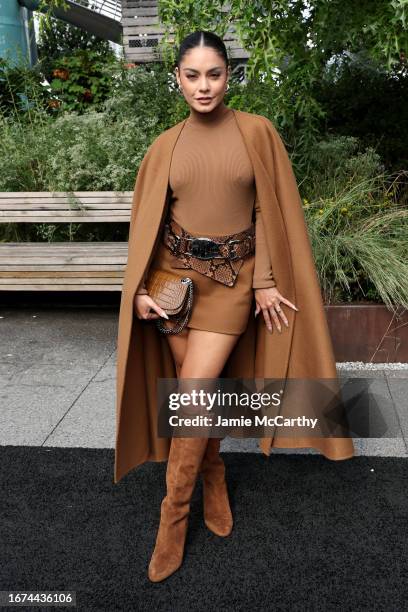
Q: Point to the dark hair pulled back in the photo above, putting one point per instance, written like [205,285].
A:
[202,38]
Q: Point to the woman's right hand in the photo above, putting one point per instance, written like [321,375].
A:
[143,303]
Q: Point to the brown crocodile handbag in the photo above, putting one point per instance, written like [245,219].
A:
[174,295]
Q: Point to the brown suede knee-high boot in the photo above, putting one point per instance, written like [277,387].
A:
[183,465]
[217,511]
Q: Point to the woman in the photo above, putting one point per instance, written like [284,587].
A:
[217,188]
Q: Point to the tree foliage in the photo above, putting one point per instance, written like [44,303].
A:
[292,43]
[58,38]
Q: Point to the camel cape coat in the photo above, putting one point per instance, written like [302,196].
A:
[302,350]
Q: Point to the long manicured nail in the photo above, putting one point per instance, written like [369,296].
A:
[164,315]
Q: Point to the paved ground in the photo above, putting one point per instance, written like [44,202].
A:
[57,383]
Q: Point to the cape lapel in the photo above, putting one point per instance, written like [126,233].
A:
[149,206]
[272,350]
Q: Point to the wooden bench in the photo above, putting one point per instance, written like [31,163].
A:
[63,266]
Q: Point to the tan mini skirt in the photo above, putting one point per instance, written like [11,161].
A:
[216,307]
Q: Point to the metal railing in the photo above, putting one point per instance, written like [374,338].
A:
[109,8]
[99,17]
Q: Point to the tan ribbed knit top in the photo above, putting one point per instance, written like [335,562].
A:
[213,187]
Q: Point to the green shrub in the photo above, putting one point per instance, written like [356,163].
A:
[21,91]
[358,224]
[82,80]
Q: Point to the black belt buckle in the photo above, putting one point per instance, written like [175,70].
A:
[204,248]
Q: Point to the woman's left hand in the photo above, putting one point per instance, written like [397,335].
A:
[268,301]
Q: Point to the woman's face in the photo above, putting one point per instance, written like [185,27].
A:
[203,74]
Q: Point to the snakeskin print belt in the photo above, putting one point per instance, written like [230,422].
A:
[218,257]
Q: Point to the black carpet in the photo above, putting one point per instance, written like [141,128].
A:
[309,533]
